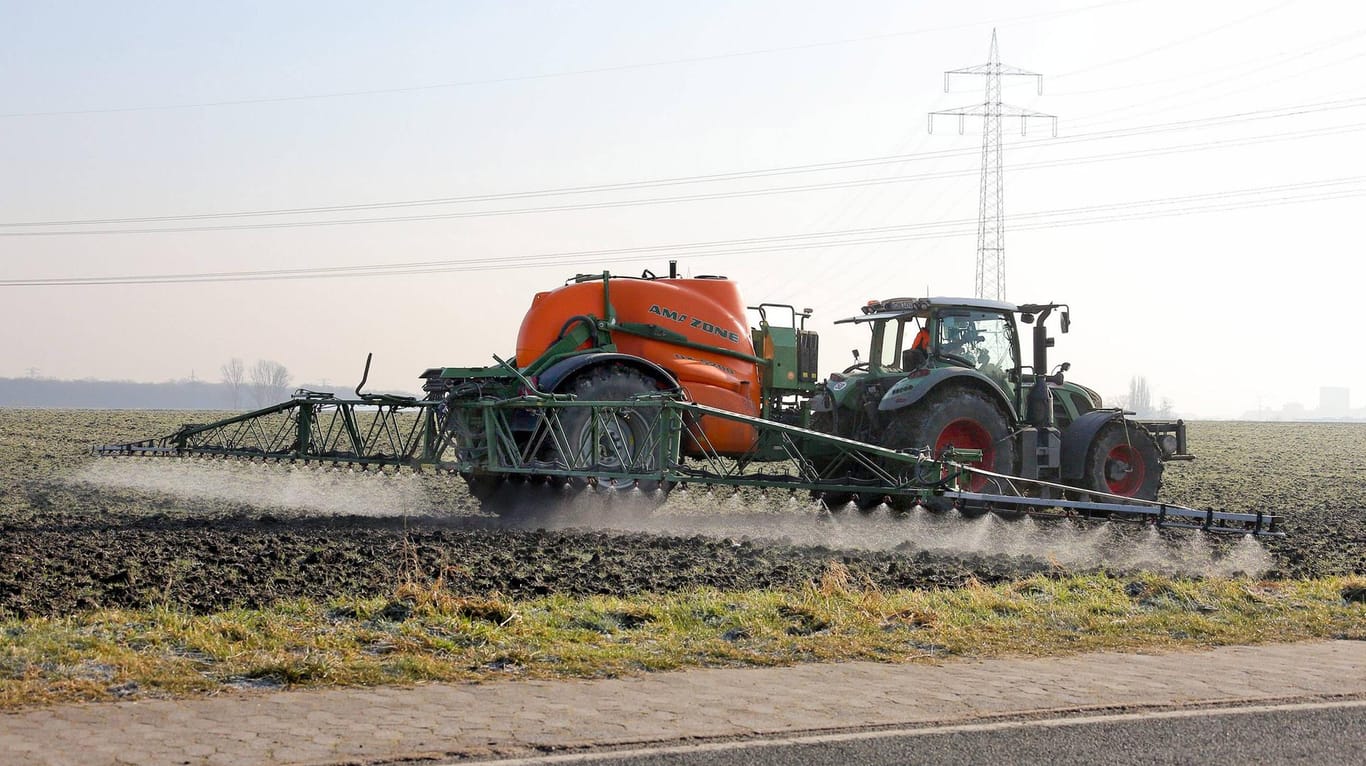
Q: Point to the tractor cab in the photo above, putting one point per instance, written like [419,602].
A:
[920,341]
[913,333]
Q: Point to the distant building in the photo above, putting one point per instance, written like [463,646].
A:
[1334,402]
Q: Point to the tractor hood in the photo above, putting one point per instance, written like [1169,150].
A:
[837,390]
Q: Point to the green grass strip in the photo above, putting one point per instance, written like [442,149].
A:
[423,633]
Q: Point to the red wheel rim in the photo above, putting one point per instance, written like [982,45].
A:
[966,433]
[1124,470]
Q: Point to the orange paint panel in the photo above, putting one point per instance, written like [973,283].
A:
[725,436]
[705,311]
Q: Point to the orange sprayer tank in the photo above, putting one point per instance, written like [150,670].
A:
[706,310]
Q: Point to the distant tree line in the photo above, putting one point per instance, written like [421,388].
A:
[267,381]
[114,394]
[264,383]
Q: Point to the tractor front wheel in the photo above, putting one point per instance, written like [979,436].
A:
[1123,460]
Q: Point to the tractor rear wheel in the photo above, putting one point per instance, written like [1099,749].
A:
[621,439]
[1123,460]
[958,417]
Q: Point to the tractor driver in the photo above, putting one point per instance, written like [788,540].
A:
[958,337]
[918,353]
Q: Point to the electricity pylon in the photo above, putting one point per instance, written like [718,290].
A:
[991,243]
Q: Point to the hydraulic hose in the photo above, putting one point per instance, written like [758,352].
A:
[577,319]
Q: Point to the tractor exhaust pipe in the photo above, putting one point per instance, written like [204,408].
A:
[1040,409]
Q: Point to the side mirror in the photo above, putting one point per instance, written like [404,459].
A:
[1066,321]
[1057,377]
[855,353]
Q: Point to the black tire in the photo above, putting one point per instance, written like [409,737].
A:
[623,440]
[1124,460]
[866,501]
[494,493]
[515,495]
[952,414]
[824,422]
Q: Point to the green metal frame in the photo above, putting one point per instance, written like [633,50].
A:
[488,443]
[373,431]
[477,437]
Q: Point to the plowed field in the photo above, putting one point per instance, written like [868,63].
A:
[78,533]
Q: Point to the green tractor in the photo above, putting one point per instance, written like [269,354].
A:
[948,373]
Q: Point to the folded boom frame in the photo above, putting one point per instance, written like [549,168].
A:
[487,436]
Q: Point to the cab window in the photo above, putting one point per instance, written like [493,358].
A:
[896,334]
[983,340]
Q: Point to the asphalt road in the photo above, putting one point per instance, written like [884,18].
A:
[1306,733]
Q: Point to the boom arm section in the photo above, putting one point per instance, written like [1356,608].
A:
[475,436]
[370,431]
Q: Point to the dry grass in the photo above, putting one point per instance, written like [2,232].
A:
[423,633]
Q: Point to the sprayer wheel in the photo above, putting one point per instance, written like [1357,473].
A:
[493,493]
[625,439]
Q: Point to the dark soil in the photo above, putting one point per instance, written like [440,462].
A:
[67,545]
[68,563]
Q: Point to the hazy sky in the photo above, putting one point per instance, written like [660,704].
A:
[1200,208]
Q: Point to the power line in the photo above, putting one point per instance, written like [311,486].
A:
[1242,68]
[1179,41]
[556,75]
[1309,191]
[1262,114]
[748,193]
[1143,130]
[1201,92]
